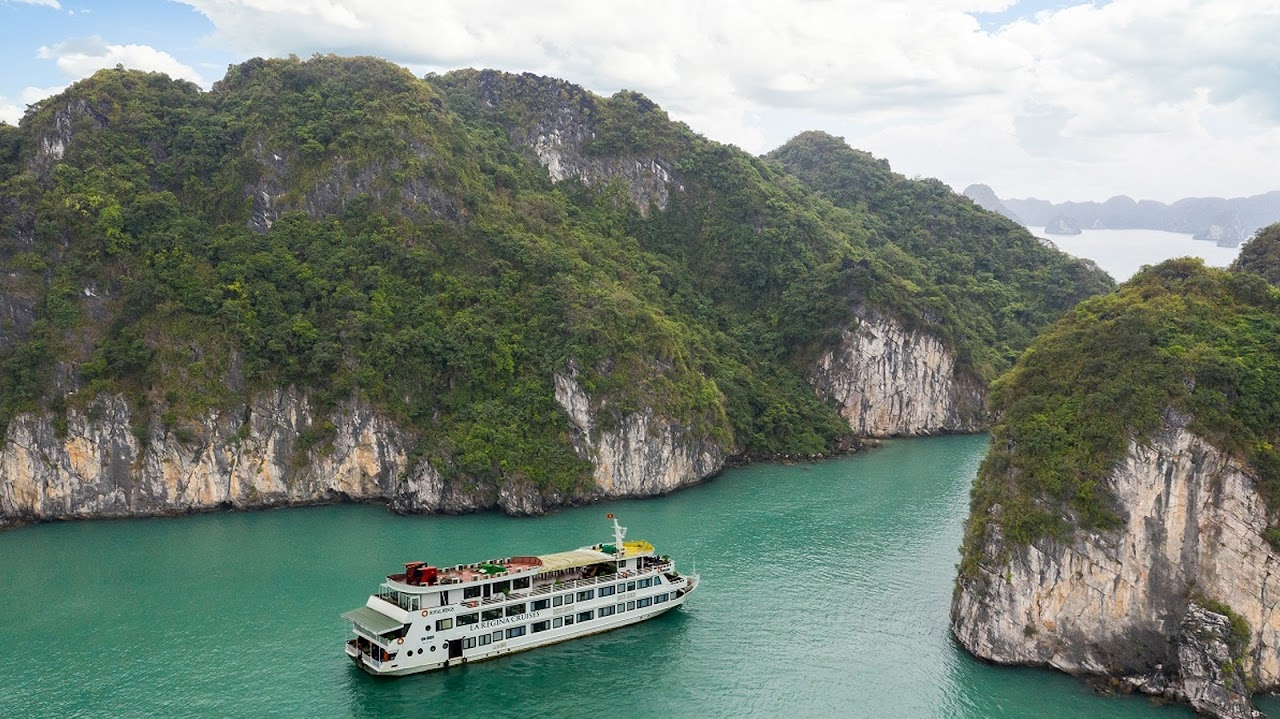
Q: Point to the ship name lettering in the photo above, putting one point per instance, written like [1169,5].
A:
[505,620]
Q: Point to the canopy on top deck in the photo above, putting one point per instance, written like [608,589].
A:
[583,557]
[569,560]
[374,621]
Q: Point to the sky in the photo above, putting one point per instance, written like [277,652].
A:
[1056,99]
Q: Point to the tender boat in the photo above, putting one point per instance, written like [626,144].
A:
[428,617]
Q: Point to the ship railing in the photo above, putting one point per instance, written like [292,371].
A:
[575,583]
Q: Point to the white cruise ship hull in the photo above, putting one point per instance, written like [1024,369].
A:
[424,622]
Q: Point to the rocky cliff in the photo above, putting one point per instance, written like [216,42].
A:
[889,380]
[1115,602]
[282,450]
[643,455]
[572,134]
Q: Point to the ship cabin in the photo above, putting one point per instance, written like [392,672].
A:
[422,587]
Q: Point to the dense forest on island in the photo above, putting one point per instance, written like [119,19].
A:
[1181,338]
[339,225]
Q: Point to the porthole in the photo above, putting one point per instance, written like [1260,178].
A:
[433,647]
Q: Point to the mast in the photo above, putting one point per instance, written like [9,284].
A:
[619,532]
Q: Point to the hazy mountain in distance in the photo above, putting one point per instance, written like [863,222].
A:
[986,198]
[1228,222]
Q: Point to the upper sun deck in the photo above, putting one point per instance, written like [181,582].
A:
[419,574]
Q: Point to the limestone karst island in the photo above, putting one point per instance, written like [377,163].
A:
[463,322]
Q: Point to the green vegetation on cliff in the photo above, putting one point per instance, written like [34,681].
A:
[342,226]
[997,283]
[1178,337]
[1261,254]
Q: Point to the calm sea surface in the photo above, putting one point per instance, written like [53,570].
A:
[825,594]
[1122,252]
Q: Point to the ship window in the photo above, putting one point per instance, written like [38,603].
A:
[497,636]
[541,626]
[469,643]
[500,587]
[520,583]
[515,609]
[606,591]
[514,632]
[568,620]
[557,601]
[606,611]
[584,596]
[586,616]
[465,619]
[659,598]
[557,623]
[568,598]
[443,624]
[630,606]
[541,604]
[489,614]
[622,607]
[484,639]
[642,603]
[645,583]
[631,586]
[471,592]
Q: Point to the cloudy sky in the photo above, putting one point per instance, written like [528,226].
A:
[1058,99]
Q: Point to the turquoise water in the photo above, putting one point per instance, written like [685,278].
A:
[1121,253]
[826,590]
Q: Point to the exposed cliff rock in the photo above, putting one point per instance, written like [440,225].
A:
[281,450]
[644,455]
[560,136]
[53,144]
[342,181]
[1119,602]
[892,381]
[99,466]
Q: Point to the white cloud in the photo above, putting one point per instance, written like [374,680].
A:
[11,112]
[1160,98]
[43,3]
[82,57]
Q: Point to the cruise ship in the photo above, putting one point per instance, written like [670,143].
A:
[428,618]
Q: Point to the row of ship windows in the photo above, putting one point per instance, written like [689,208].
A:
[524,583]
[536,627]
[512,610]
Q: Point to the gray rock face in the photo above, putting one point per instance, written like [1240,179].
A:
[102,468]
[891,381]
[281,449]
[644,455]
[343,181]
[1207,671]
[559,137]
[1113,603]
[52,146]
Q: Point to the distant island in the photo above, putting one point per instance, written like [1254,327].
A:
[1062,225]
[1226,222]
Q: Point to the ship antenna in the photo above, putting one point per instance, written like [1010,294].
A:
[619,532]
